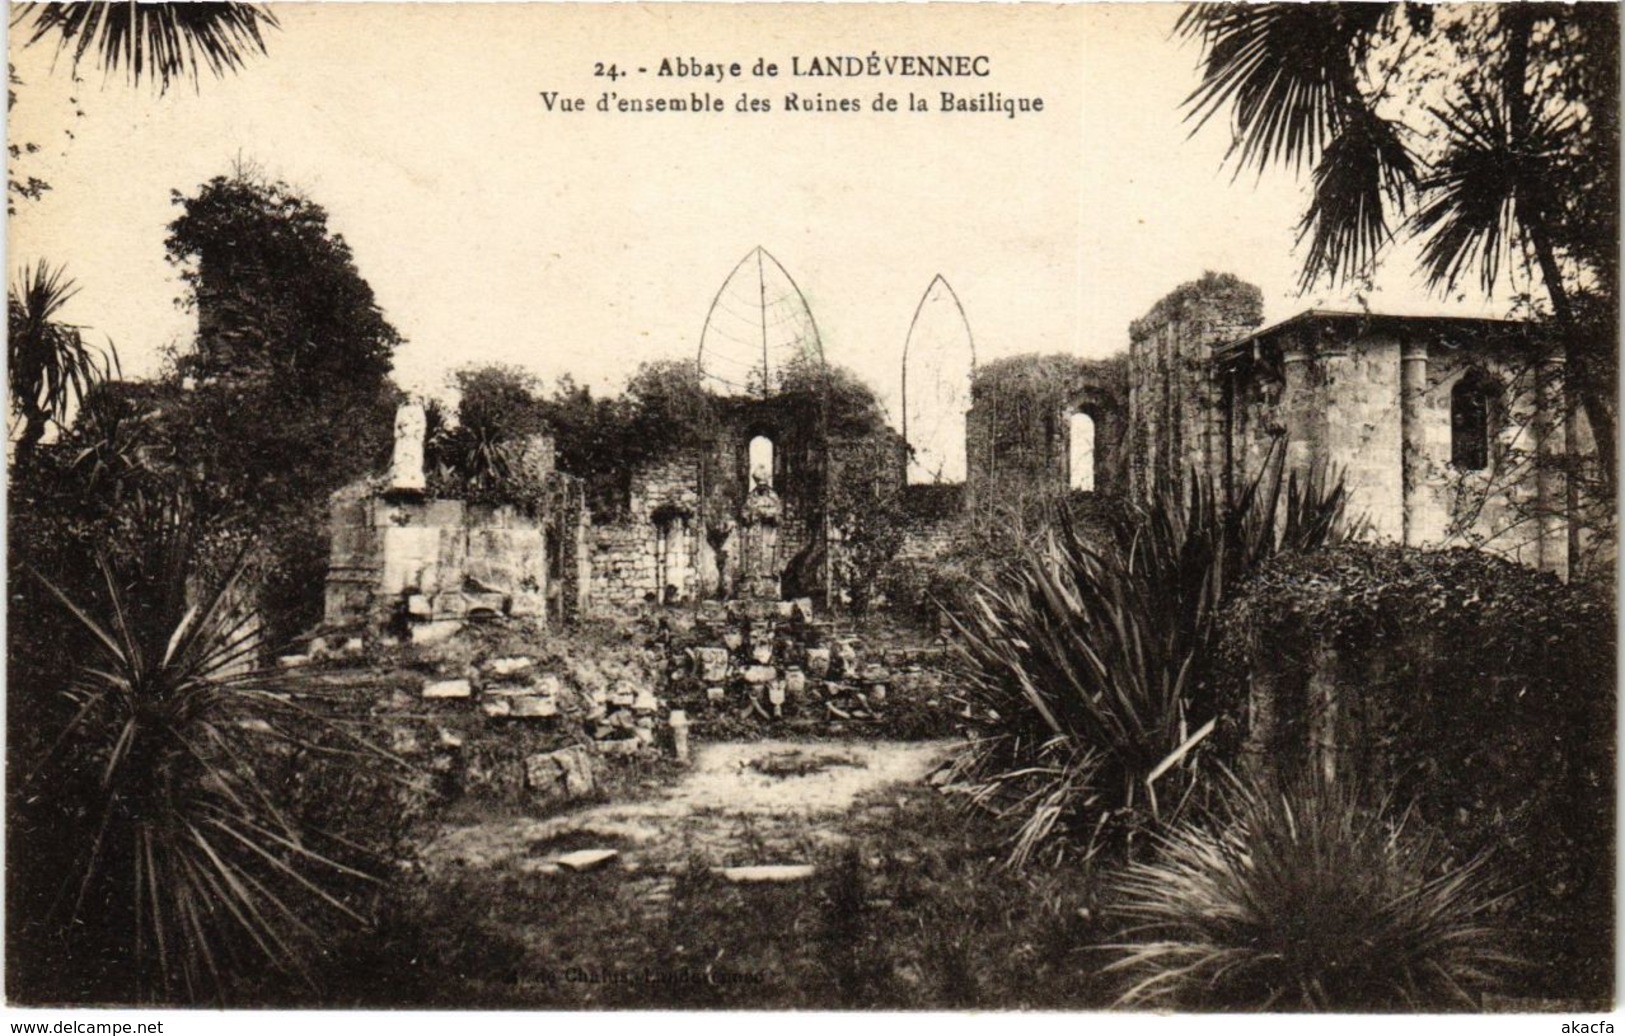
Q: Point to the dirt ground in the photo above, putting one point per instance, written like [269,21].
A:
[739,804]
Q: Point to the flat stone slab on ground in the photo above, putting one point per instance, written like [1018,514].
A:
[769,872]
[586,859]
[448,689]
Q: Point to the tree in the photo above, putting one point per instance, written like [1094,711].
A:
[161,41]
[50,368]
[1489,132]
[286,395]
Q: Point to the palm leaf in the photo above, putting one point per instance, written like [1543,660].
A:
[162,42]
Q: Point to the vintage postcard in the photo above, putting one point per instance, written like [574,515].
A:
[934,507]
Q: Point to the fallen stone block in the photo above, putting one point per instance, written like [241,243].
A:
[711,663]
[626,746]
[448,689]
[418,606]
[293,661]
[762,652]
[567,772]
[715,694]
[818,662]
[497,707]
[532,707]
[760,674]
[769,872]
[645,702]
[505,668]
[435,632]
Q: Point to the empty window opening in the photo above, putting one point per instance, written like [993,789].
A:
[1470,423]
[761,462]
[1081,431]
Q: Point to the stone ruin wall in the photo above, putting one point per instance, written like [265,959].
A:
[622,554]
[431,561]
[1174,406]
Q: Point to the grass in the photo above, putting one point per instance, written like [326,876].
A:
[915,911]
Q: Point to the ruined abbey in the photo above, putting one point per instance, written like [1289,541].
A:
[1445,432]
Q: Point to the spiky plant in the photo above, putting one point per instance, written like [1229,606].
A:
[1092,655]
[162,42]
[183,862]
[1303,898]
[50,367]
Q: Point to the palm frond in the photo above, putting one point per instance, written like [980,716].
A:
[1304,896]
[162,42]
[1483,188]
[1092,652]
[190,862]
[1364,171]
[50,367]
[1289,72]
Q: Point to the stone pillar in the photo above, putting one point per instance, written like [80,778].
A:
[1296,405]
[1552,498]
[1413,386]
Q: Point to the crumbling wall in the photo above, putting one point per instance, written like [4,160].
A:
[654,551]
[1174,404]
[1018,430]
[429,560]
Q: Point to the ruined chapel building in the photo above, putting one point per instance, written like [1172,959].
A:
[1446,431]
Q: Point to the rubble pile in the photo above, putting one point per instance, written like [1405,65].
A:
[777,663]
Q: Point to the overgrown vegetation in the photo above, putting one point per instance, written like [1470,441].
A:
[1305,898]
[1095,655]
[914,912]
[177,835]
[1479,690]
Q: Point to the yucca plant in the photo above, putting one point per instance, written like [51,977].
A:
[1092,654]
[182,865]
[1303,898]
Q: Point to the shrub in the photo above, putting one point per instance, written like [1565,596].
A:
[1094,653]
[1483,691]
[170,853]
[1303,898]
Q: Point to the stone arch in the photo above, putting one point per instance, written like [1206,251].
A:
[1106,411]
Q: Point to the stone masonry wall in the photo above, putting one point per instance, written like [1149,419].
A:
[1174,423]
[636,558]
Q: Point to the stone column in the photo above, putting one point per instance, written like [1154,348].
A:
[1296,405]
[1552,499]
[1413,386]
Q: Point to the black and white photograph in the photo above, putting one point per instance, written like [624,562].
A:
[1098,508]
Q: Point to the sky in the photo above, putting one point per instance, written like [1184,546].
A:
[495,230]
